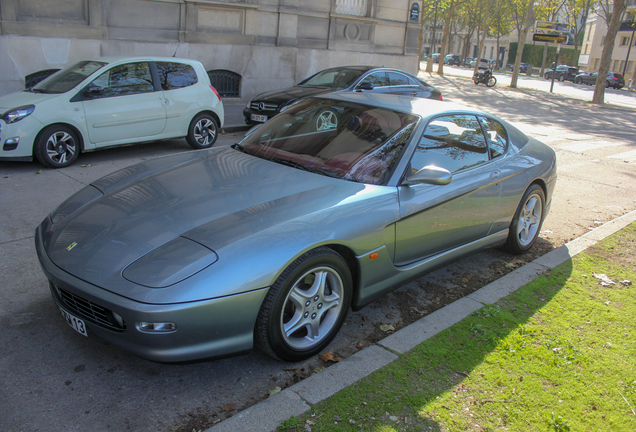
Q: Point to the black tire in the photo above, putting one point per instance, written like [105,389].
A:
[57,146]
[491,81]
[561,78]
[577,80]
[547,76]
[322,288]
[476,81]
[527,221]
[607,84]
[203,131]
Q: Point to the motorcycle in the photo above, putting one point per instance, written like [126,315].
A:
[485,77]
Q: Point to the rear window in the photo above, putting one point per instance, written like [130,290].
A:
[617,75]
[175,75]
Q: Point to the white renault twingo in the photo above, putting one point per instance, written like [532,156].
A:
[107,102]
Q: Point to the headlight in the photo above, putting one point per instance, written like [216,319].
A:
[17,114]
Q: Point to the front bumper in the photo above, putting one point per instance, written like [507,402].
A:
[205,329]
[16,139]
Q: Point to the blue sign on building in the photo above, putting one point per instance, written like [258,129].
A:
[415,12]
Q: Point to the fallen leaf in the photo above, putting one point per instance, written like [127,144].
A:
[329,357]
[387,328]
[38,172]
[360,345]
[86,165]
[275,390]
[229,407]
[310,423]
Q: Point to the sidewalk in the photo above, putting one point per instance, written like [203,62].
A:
[301,397]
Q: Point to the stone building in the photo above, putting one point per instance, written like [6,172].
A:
[268,43]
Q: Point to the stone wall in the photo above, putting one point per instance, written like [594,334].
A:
[271,43]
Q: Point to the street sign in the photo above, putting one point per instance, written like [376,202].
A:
[551,27]
[560,39]
[415,12]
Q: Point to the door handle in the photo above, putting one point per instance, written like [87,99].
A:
[495,175]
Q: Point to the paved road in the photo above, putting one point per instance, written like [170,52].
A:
[52,379]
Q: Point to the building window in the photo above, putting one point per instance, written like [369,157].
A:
[351,7]
[630,65]
[621,66]
[615,65]
[625,41]
[596,62]
[603,41]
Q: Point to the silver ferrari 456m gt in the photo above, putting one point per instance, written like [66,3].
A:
[270,242]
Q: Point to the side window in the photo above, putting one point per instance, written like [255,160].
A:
[127,79]
[378,79]
[497,136]
[454,142]
[397,79]
[175,75]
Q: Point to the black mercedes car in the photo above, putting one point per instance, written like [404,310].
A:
[364,79]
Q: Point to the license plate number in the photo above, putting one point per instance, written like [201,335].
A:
[77,324]
[259,118]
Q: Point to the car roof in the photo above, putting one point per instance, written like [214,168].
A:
[419,106]
[126,59]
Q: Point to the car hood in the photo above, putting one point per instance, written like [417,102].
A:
[204,203]
[292,93]
[22,98]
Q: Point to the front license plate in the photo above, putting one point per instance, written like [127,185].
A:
[258,118]
[77,324]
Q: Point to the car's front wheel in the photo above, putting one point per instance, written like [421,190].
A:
[547,76]
[203,131]
[562,78]
[577,80]
[526,223]
[57,146]
[305,307]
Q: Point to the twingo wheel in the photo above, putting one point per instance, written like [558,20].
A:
[57,146]
[305,307]
[202,132]
[326,120]
[526,223]
[492,81]
[577,80]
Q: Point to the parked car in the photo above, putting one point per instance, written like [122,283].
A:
[452,59]
[523,67]
[563,73]
[106,102]
[435,57]
[483,63]
[467,61]
[364,79]
[269,242]
[613,79]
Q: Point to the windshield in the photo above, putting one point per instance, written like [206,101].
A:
[339,77]
[345,140]
[68,78]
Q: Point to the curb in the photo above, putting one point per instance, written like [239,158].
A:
[296,400]
[234,129]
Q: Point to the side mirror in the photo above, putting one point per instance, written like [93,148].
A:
[365,86]
[430,174]
[92,91]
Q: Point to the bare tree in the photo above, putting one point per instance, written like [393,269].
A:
[522,40]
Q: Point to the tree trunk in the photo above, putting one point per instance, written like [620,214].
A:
[449,16]
[522,42]
[606,57]
[482,40]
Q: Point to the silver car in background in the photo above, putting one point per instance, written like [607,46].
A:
[270,242]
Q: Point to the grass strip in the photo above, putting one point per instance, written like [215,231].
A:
[557,355]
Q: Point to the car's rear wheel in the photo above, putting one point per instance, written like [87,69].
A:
[203,131]
[305,307]
[57,146]
[607,84]
[526,223]
[561,78]
[547,76]
[577,80]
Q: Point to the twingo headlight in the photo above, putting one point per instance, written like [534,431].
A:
[17,114]
[75,202]
[170,263]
